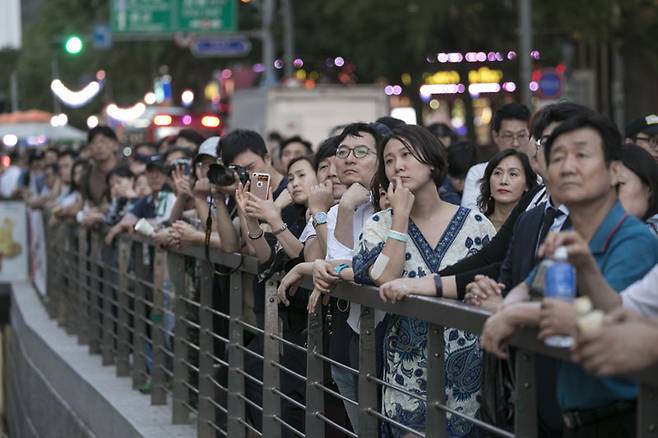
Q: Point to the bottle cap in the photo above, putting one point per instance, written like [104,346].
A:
[561,253]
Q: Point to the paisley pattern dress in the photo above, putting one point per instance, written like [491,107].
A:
[405,342]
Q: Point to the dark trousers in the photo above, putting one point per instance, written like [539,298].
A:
[621,425]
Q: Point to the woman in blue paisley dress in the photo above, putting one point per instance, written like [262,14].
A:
[416,237]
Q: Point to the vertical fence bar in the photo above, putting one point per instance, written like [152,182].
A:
[180,412]
[139,335]
[123,329]
[70,255]
[368,424]
[158,393]
[647,412]
[51,271]
[436,424]
[525,409]
[207,392]
[83,314]
[105,260]
[61,284]
[314,374]
[271,374]
[236,408]
[94,294]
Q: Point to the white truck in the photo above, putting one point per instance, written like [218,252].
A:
[312,114]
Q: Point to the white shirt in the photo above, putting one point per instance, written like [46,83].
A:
[559,221]
[642,296]
[9,181]
[472,186]
[337,251]
[308,232]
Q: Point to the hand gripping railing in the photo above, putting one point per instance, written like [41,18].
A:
[176,323]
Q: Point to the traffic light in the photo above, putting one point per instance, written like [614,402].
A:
[73,45]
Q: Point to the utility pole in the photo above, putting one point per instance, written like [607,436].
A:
[268,44]
[13,87]
[525,43]
[57,108]
[288,36]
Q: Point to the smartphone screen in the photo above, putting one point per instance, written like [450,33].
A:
[260,184]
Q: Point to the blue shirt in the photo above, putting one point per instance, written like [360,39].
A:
[624,250]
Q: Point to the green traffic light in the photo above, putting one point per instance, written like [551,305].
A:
[73,45]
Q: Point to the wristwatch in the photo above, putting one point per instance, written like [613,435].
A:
[319,218]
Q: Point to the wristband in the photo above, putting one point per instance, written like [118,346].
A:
[340,268]
[283,228]
[256,237]
[438,287]
[400,237]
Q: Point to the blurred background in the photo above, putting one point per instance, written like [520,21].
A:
[76,63]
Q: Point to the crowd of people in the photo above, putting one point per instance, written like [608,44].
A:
[407,209]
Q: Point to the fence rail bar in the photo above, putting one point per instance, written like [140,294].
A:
[116,299]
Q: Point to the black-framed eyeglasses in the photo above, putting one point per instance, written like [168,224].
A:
[521,138]
[653,141]
[359,151]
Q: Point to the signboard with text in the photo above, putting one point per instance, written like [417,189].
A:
[173,16]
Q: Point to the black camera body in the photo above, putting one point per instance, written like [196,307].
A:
[223,176]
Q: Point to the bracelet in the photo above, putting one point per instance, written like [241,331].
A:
[400,237]
[340,268]
[283,228]
[256,237]
[438,287]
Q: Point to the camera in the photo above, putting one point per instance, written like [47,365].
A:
[223,176]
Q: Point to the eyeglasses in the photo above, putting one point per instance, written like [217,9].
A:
[359,151]
[653,141]
[521,138]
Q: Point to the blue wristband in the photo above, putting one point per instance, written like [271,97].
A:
[340,268]
[400,237]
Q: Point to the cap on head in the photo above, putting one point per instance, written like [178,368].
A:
[646,125]
[208,147]
[156,162]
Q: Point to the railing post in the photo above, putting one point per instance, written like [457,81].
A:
[84,313]
[107,340]
[158,393]
[314,375]
[71,257]
[51,285]
[123,331]
[271,373]
[647,412]
[139,335]
[368,424]
[525,410]
[94,295]
[180,412]
[236,408]
[206,385]
[60,245]
[436,424]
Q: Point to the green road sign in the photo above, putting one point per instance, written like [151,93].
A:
[171,16]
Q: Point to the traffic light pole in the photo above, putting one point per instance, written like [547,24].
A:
[57,108]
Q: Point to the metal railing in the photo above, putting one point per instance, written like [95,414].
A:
[161,316]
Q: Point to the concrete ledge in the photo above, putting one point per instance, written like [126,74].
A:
[58,390]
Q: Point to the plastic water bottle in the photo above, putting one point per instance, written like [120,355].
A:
[560,283]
